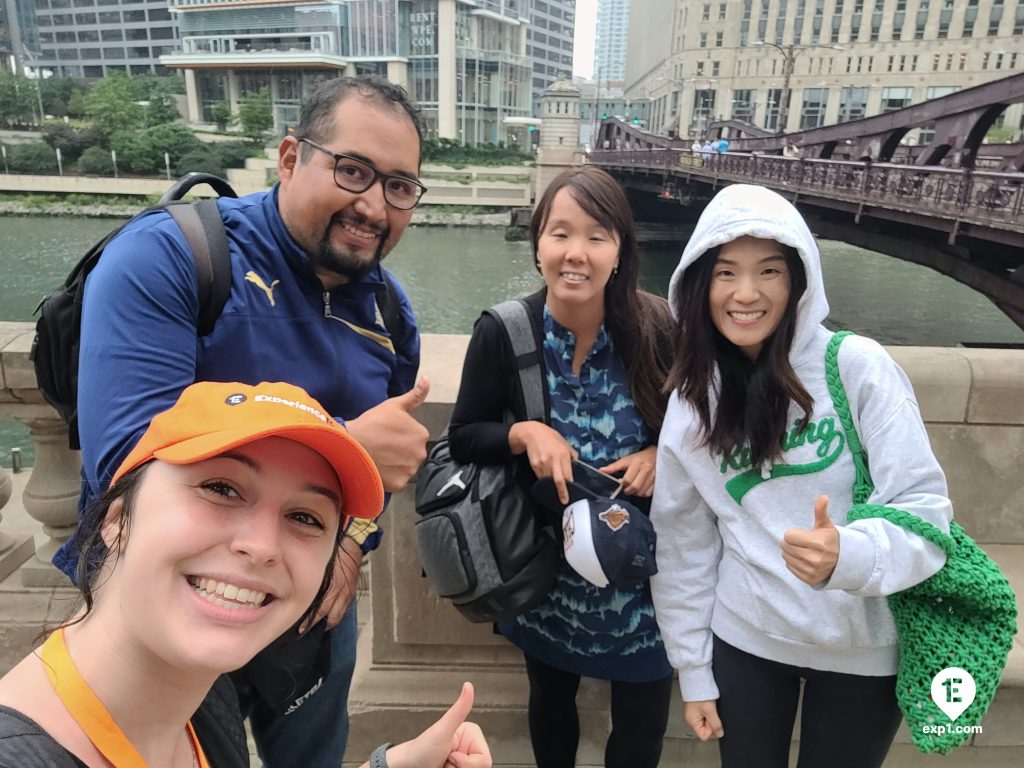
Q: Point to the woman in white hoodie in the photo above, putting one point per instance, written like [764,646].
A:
[761,583]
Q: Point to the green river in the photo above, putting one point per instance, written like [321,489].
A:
[451,274]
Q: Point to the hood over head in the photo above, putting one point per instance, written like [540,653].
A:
[746,209]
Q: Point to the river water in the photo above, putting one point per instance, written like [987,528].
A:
[451,274]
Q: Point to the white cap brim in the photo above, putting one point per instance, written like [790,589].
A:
[579,543]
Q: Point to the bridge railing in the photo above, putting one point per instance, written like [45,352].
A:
[984,197]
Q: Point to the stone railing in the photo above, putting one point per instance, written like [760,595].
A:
[51,494]
[417,649]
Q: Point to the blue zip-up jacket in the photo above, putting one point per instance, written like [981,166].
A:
[140,350]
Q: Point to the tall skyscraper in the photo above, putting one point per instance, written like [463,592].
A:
[612,36]
[19,39]
[549,40]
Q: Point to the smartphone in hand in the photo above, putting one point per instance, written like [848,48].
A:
[594,480]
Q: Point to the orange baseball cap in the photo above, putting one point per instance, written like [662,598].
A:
[212,417]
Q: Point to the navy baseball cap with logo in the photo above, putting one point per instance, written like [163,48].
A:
[609,542]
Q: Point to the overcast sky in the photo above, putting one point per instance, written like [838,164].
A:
[586,30]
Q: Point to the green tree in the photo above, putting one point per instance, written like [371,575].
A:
[96,161]
[163,107]
[17,99]
[233,154]
[36,158]
[201,160]
[256,114]
[143,151]
[72,142]
[111,105]
[222,115]
[58,92]
[76,104]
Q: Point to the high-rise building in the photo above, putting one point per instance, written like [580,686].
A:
[91,38]
[610,45]
[19,38]
[549,41]
[463,61]
[828,61]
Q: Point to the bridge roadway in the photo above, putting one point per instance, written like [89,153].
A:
[965,223]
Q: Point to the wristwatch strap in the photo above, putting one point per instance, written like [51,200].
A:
[378,758]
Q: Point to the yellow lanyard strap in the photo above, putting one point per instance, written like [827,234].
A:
[88,711]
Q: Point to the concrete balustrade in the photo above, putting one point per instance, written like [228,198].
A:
[416,650]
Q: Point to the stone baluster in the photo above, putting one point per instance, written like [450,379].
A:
[14,550]
[51,495]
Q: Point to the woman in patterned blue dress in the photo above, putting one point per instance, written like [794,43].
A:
[605,353]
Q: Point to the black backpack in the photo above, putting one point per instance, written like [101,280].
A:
[59,327]
[479,539]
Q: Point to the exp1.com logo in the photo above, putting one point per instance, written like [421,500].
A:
[953,690]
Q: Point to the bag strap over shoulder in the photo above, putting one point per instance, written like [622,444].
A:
[863,485]
[203,228]
[514,317]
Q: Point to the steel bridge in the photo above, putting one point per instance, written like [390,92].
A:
[963,218]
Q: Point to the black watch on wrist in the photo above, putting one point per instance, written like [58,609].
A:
[378,758]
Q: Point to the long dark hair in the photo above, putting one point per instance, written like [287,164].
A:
[639,322]
[753,396]
[94,552]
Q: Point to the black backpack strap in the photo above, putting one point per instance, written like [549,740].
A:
[391,310]
[203,228]
[514,317]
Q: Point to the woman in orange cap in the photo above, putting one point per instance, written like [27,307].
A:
[216,536]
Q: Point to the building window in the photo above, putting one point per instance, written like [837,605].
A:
[721,11]
[700,68]
[798,22]
[876,21]
[994,17]
[896,98]
[945,16]
[743,105]
[1018,19]
[970,16]
[771,112]
[922,19]
[703,39]
[719,39]
[853,103]
[706,15]
[812,113]
[715,67]
[703,109]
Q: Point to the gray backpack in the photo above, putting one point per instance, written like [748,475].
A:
[479,540]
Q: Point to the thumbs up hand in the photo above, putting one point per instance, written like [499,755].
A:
[396,442]
[812,555]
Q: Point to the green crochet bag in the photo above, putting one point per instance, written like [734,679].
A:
[964,616]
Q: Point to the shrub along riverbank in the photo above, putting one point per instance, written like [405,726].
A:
[108,206]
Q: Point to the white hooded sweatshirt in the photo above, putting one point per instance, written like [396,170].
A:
[720,564]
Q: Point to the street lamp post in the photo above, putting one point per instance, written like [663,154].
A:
[789,53]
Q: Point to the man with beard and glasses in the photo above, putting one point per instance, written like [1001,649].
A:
[304,307]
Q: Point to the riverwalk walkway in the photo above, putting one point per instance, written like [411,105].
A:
[414,649]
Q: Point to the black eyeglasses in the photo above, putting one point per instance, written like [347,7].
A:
[353,175]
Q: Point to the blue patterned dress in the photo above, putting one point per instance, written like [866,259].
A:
[599,632]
